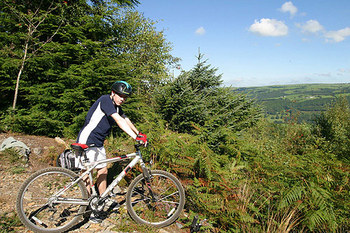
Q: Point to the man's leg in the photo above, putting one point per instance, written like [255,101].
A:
[101,183]
[87,182]
[110,204]
[102,179]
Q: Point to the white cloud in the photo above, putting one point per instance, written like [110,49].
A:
[311,26]
[289,7]
[326,75]
[200,31]
[238,80]
[337,36]
[269,27]
[343,72]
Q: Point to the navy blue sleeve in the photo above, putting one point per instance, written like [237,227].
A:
[107,105]
[121,112]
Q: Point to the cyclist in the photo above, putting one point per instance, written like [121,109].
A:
[102,115]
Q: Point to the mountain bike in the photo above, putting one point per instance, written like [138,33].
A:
[55,199]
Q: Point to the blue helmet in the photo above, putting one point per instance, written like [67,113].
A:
[122,88]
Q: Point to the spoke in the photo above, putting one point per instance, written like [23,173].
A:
[171,212]
[44,211]
[165,190]
[158,204]
[168,196]
[139,200]
[35,198]
[171,202]
[39,205]
[135,191]
[38,221]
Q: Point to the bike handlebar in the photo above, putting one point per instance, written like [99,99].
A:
[138,145]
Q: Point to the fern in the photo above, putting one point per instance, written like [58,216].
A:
[293,195]
[314,204]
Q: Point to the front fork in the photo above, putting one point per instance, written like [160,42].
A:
[148,176]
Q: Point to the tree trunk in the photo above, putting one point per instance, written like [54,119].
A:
[19,75]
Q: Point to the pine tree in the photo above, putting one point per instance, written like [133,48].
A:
[334,126]
[96,45]
[196,101]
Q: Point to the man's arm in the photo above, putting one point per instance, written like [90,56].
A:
[131,125]
[124,125]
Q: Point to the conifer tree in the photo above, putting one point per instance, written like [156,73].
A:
[96,45]
[21,35]
[334,126]
[197,99]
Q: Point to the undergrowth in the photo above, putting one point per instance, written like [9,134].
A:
[9,223]
[17,160]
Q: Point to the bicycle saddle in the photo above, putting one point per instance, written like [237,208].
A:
[79,148]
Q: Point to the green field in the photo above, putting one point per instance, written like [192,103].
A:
[302,101]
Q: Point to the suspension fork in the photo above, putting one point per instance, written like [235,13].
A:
[147,175]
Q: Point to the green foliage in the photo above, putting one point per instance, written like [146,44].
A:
[12,155]
[94,45]
[18,169]
[334,127]
[9,223]
[35,123]
[15,158]
[209,178]
[195,101]
[299,177]
[241,172]
[308,100]
[314,205]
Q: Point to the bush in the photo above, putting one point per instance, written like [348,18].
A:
[334,127]
[9,223]
[296,175]
[36,123]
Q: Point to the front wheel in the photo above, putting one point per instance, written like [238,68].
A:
[158,203]
[42,208]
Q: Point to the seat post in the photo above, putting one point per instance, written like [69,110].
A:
[85,157]
[80,150]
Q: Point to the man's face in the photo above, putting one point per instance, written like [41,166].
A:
[119,99]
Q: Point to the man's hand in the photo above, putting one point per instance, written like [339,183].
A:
[142,138]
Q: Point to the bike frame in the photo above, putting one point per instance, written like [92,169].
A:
[136,158]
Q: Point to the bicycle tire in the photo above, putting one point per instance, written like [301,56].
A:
[33,197]
[164,208]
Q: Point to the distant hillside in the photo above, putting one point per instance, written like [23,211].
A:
[303,101]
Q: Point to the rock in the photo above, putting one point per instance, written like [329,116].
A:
[179,225]
[163,231]
[60,141]
[19,146]
[37,151]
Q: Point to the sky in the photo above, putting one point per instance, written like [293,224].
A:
[258,42]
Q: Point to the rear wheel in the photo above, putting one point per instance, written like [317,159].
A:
[158,203]
[41,211]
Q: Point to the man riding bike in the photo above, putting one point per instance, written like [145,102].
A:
[102,115]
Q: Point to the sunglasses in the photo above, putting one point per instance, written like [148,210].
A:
[122,96]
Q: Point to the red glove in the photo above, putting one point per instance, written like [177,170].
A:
[142,138]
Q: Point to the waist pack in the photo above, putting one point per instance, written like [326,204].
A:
[67,160]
